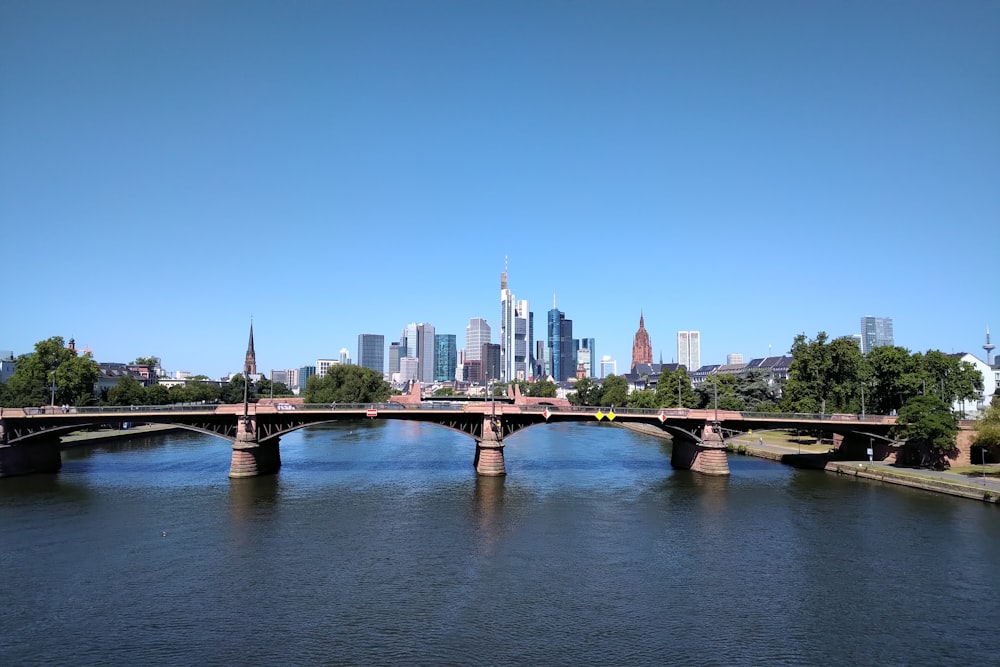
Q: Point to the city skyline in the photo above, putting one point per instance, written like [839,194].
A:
[833,160]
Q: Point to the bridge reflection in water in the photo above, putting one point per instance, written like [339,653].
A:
[29,438]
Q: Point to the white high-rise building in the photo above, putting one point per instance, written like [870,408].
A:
[515,335]
[476,334]
[875,332]
[689,350]
[417,342]
[345,357]
[608,366]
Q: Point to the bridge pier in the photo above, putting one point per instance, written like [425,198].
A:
[489,449]
[707,457]
[40,455]
[250,457]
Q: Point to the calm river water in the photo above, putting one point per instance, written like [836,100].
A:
[377,544]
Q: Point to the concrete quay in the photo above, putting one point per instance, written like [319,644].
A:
[986,489]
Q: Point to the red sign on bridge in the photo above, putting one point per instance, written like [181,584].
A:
[372,412]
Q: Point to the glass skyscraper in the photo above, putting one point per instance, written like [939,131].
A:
[445,357]
[371,351]
[875,332]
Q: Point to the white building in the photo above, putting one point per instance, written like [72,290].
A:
[476,335]
[322,365]
[417,342]
[515,335]
[345,357]
[973,409]
[608,366]
[689,349]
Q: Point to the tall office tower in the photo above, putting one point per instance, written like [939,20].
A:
[583,364]
[734,358]
[538,369]
[490,358]
[608,366]
[642,349]
[445,357]
[292,378]
[396,351]
[418,342]
[561,344]
[409,368]
[476,334]
[371,352]
[875,332]
[988,347]
[305,372]
[344,357]
[515,334]
[689,350]
[588,345]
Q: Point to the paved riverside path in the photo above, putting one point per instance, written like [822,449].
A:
[85,437]
[940,481]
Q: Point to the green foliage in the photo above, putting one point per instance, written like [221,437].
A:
[614,390]
[128,391]
[894,377]
[725,387]
[347,384]
[157,395]
[988,428]
[74,376]
[542,389]
[587,392]
[928,423]
[444,391]
[643,398]
[150,362]
[824,375]
[673,390]
[194,391]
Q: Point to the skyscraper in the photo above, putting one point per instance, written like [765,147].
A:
[445,357]
[396,352]
[476,334]
[515,334]
[875,332]
[417,342]
[371,352]
[560,338]
[642,349]
[689,350]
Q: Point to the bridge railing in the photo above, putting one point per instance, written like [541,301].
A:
[106,409]
[816,416]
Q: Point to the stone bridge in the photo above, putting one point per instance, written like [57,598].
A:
[29,437]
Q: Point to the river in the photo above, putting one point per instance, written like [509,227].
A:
[377,544]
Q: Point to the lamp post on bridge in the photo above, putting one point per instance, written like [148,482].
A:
[55,365]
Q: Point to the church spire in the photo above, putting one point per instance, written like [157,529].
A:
[250,365]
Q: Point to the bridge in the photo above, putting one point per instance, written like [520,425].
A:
[29,437]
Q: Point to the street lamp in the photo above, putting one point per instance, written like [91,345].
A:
[55,365]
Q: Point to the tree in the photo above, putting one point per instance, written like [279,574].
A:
[587,392]
[893,378]
[347,384]
[644,398]
[756,391]
[128,391]
[149,362]
[74,376]
[988,428]
[233,392]
[673,390]
[929,426]
[614,390]
[444,391]
[542,389]
[824,375]
[948,377]
[722,386]
[157,394]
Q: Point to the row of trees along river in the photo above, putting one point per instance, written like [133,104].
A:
[828,376]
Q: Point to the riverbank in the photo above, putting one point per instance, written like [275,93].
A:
[80,438]
[817,457]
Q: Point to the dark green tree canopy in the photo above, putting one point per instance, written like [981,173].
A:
[928,423]
[74,375]
[614,391]
[347,384]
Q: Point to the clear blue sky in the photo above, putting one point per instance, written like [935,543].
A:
[753,170]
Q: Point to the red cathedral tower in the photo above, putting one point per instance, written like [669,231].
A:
[642,349]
